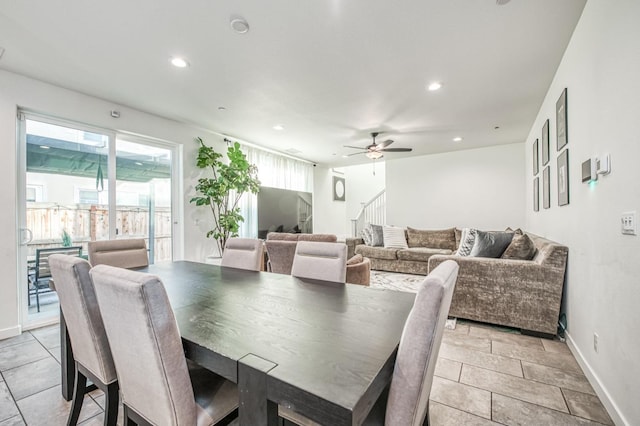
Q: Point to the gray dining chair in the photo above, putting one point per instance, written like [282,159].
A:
[243,253]
[321,261]
[123,253]
[407,403]
[85,328]
[158,385]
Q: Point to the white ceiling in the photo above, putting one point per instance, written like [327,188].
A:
[329,71]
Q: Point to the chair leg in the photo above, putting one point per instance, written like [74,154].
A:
[79,389]
[111,405]
[37,299]
[128,421]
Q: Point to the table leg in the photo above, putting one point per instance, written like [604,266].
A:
[68,363]
[255,409]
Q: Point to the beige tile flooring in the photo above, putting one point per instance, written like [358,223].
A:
[485,375]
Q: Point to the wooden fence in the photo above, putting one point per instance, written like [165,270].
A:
[85,222]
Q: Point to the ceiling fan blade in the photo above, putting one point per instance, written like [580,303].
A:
[356,153]
[354,147]
[384,144]
[397,150]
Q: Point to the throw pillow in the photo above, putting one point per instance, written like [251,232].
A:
[394,237]
[438,239]
[377,235]
[467,240]
[355,260]
[491,244]
[521,247]
[366,235]
[517,231]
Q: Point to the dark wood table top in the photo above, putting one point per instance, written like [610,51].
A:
[333,345]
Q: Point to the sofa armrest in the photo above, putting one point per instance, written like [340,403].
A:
[516,293]
[352,242]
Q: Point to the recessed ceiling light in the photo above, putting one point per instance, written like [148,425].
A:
[179,62]
[436,85]
[345,156]
[221,108]
[45,147]
[278,127]
[240,25]
[457,139]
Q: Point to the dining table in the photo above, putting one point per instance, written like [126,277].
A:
[325,350]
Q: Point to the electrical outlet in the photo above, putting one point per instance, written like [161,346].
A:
[595,342]
[628,223]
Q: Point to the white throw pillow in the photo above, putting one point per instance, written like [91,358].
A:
[394,237]
[467,240]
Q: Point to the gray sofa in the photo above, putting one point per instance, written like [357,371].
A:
[523,294]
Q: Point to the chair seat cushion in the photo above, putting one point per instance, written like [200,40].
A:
[377,252]
[420,254]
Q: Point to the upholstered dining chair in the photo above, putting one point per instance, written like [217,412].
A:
[243,253]
[158,386]
[408,397]
[320,261]
[123,253]
[86,331]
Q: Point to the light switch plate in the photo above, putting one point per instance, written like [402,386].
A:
[628,223]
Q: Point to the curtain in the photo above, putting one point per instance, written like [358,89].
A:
[276,171]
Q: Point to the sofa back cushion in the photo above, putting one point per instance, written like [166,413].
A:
[282,236]
[439,239]
[324,238]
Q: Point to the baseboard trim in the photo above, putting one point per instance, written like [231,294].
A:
[598,387]
[5,333]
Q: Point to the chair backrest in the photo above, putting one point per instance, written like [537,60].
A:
[281,255]
[243,253]
[42,258]
[419,346]
[146,345]
[84,324]
[320,261]
[123,253]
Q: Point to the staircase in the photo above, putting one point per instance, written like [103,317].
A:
[373,211]
[305,223]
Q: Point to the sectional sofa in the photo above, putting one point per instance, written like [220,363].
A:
[524,294]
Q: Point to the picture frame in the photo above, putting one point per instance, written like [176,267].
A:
[536,158]
[339,188]
[536,194]
[546,188]
[561,121]
[545,143]
[563,178]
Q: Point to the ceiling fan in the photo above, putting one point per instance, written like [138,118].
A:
[375,150]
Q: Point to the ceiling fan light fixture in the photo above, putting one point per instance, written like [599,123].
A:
[374,155]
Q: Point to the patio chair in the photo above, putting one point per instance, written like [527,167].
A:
[39,278]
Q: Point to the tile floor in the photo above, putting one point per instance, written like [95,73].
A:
[484,376]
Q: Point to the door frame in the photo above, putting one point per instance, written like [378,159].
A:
[177,211]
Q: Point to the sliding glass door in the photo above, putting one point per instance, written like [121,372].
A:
[78,185]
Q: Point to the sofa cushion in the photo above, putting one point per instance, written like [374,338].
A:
[420,254]
[521,247]
[280,236]
[394,237]
[355,259]
[467,241]
[377,252]
[440,239]
[491,244]
[325,238]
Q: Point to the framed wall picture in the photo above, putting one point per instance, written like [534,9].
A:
[338,189]
[561,120]
[563,178]
[536,163]
[536,194]
[545,143]
[546,188]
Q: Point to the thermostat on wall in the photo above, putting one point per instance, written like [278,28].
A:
[589,172]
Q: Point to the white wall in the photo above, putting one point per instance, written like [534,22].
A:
[362,185]
[16,90]
[481,188]
[600,69]
[329,217]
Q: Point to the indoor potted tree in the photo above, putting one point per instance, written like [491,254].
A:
[223,191]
